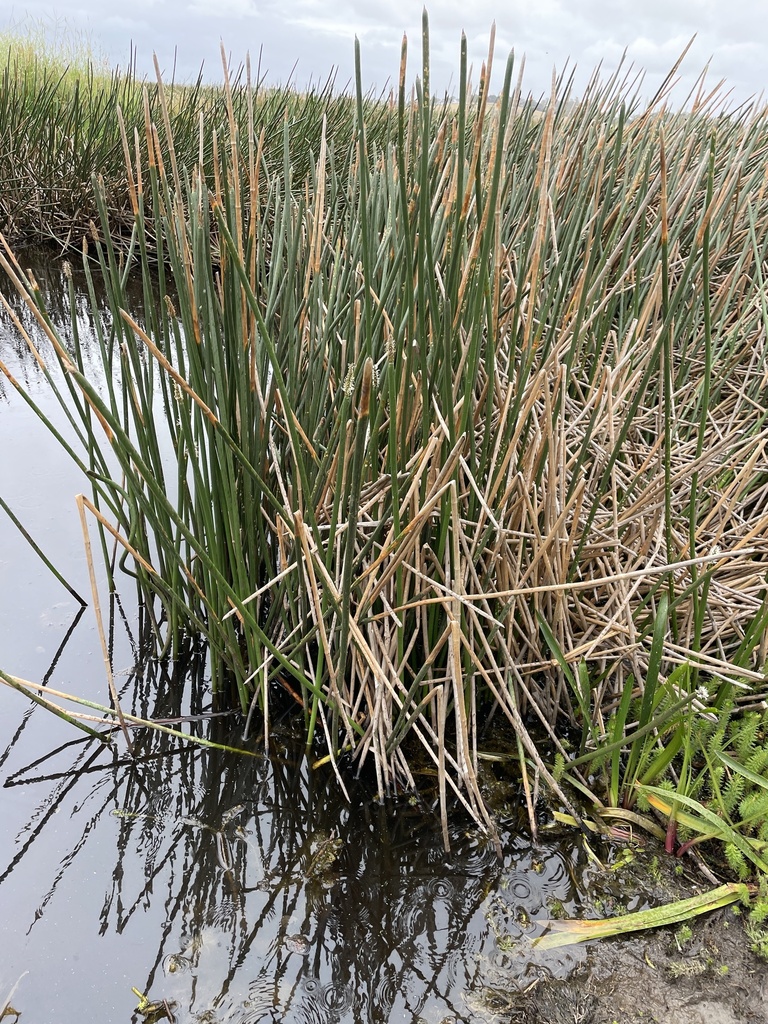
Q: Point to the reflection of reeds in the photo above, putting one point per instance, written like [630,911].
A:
[389,923]
[376,930]
[6,1010]
[436,424]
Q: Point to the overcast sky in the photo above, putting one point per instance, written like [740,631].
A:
[314,36]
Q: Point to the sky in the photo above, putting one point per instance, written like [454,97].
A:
[304,40]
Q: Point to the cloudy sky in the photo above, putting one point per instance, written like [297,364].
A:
[307,38]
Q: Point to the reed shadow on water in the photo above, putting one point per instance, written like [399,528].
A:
[247,889]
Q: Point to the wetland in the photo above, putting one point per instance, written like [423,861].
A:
[231,888]
[383,553]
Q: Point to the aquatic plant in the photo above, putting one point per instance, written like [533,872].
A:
[61,111]
[720,791]
[466,418]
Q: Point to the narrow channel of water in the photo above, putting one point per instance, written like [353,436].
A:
[234,888]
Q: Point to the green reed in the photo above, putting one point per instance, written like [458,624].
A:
[60,122]
[468,413]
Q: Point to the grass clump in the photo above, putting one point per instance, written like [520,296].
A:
[469,414]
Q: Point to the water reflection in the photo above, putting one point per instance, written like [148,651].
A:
[244,889]
[71,302]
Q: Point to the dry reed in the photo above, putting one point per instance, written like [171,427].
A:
[447,423]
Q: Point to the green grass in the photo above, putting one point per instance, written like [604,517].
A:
[60,107]
[55,46]
[463,409]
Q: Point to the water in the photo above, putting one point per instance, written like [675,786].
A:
[224,888]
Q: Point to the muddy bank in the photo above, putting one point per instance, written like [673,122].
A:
[668,976]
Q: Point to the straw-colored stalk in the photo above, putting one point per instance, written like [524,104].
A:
[438,425]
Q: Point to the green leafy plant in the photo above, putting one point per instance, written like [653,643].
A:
[384,429]
[728,798]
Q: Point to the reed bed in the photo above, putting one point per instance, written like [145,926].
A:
[470,419]
[60,110]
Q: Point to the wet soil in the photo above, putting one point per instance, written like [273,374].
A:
[660,977]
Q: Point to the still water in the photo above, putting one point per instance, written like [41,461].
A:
[224,888]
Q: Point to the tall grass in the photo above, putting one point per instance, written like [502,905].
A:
[60,109]
[472,417]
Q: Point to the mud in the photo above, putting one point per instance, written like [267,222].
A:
[660,977]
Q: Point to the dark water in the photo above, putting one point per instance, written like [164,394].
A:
[235,888]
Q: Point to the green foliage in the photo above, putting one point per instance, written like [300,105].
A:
[729,790]
[60,122]
[736,861]
[758,939]
[705,770]
[755,928]
[744,738]
[683,935]
[384,429]
[55,45]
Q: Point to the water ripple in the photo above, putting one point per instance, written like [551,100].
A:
[337,998]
